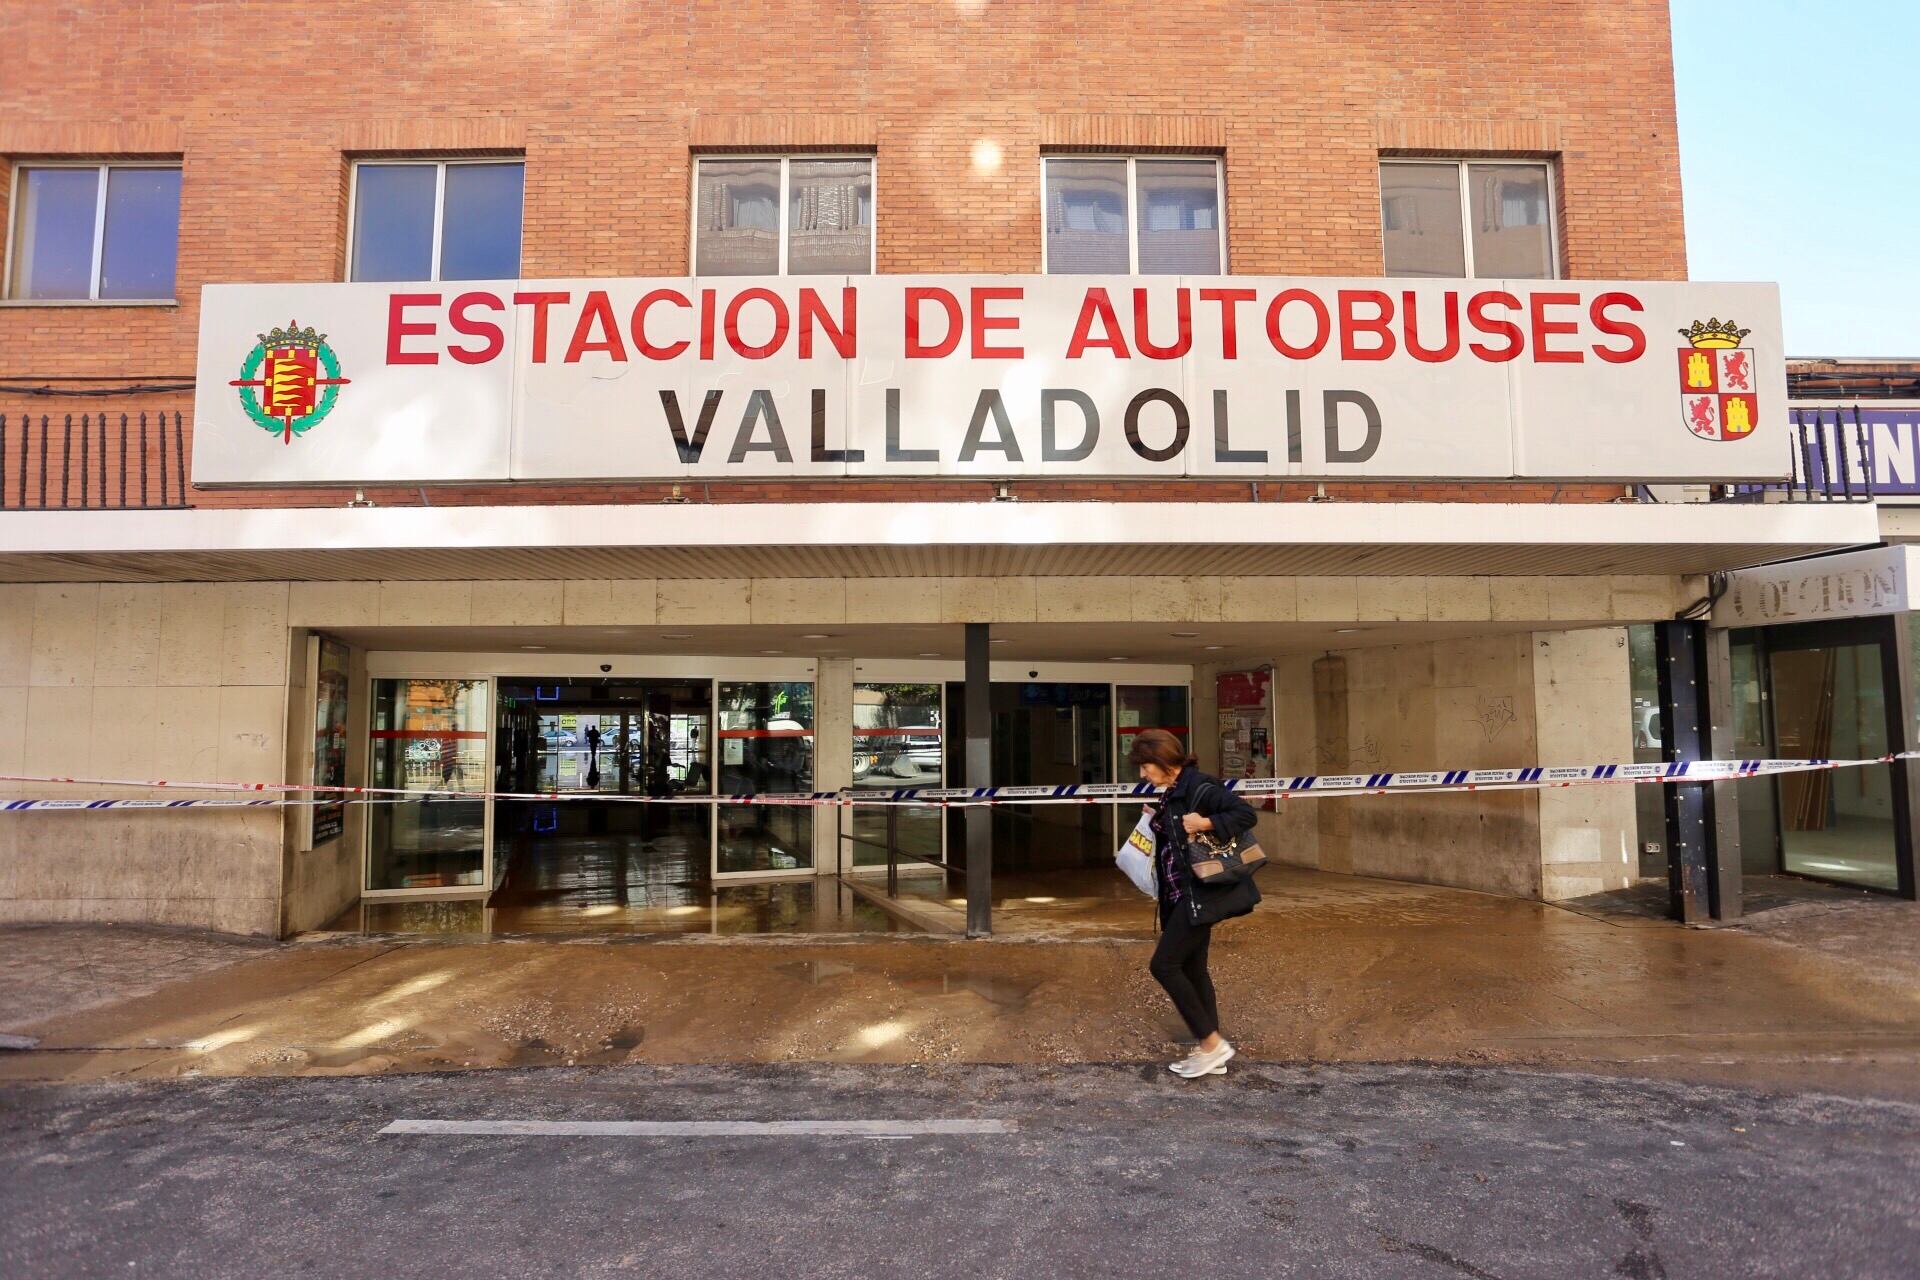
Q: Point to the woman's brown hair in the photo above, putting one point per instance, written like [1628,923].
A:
[1157,746]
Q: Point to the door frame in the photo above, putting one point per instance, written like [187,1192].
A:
[1888,634]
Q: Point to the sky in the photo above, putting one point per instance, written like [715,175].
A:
[1800,154]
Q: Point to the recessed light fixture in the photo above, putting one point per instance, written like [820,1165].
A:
[1119,658]
[999,640]
[533,646]
[1345,631]
[1213,646]
[929,655]
[676,635]
[770,652]
[817,635]
[1183,635]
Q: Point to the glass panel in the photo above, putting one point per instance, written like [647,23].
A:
[1759,821]
[896,743]
[1148,707]
[1420,220]
[766,744]
[393,221]
[428,735]
[143,233]
[1087,217]
[1512,231]
[1835,824]
[1643,671]
[480,235]
[736,218]
[53,234]
[1179,203]
[829,217]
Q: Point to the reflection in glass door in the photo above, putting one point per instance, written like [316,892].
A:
[766,744]
[1830,703]
[428,735]
[897,741]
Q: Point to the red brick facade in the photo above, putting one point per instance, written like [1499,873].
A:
[608,102]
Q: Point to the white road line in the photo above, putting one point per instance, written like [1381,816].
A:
[703,1128]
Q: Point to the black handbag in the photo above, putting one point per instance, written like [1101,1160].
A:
[1219,863]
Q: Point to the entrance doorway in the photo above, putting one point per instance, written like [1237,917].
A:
[602,738]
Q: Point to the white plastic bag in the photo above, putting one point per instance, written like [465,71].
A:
[1135,855]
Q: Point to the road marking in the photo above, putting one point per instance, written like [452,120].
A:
[703,1128]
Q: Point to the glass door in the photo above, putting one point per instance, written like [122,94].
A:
[766,744]
[1829,702]
[897,742]
[429,735]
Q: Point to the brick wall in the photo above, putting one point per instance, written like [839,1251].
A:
[608,101]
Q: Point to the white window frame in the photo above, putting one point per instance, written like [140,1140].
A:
[785,160]
[439,206]
[1460,164]
[104,167]
[1133,199]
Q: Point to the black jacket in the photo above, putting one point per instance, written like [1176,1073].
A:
[1196,792]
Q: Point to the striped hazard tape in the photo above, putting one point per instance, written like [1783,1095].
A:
[1304,786]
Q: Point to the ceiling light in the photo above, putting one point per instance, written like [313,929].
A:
[771,652]
[1345,631]
[817,635]
[533,646]
[1120,658]
[676,635]
[1213,646]
[929,655]
[1183,635]
[999,640]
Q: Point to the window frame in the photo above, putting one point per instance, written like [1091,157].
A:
[1133,198]
[1460,163]
[440,164]
[103,168]
[785,160]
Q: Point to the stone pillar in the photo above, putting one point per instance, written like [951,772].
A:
[832,757]
[1583,714]
[1331,749]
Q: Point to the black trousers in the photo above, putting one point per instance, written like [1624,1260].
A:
[1180,965]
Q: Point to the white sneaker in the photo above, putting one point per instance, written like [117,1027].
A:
[1199,1063]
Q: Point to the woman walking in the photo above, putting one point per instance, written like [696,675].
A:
[1193,804]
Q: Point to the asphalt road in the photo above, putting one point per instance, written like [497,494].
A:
[1115,1170]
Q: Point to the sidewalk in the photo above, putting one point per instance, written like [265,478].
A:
[1332,968]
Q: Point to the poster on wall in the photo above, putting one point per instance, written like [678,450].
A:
[1246,725]
[331,680]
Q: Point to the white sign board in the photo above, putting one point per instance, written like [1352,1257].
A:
[1853,584]
[990,376]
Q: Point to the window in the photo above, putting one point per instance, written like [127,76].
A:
[783,216]
[1150,215]
[95,232]
[1453,218]
[437,220]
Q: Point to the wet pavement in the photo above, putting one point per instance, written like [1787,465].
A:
[1331,969]
[1091,1170]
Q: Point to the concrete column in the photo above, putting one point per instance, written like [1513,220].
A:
[832,756]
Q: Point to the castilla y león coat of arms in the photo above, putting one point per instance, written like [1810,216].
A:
[290,381]
[1718,399]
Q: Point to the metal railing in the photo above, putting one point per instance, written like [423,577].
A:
[100,460]
[891,845]
[1832,462]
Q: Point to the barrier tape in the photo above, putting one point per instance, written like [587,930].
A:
[1302,786]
